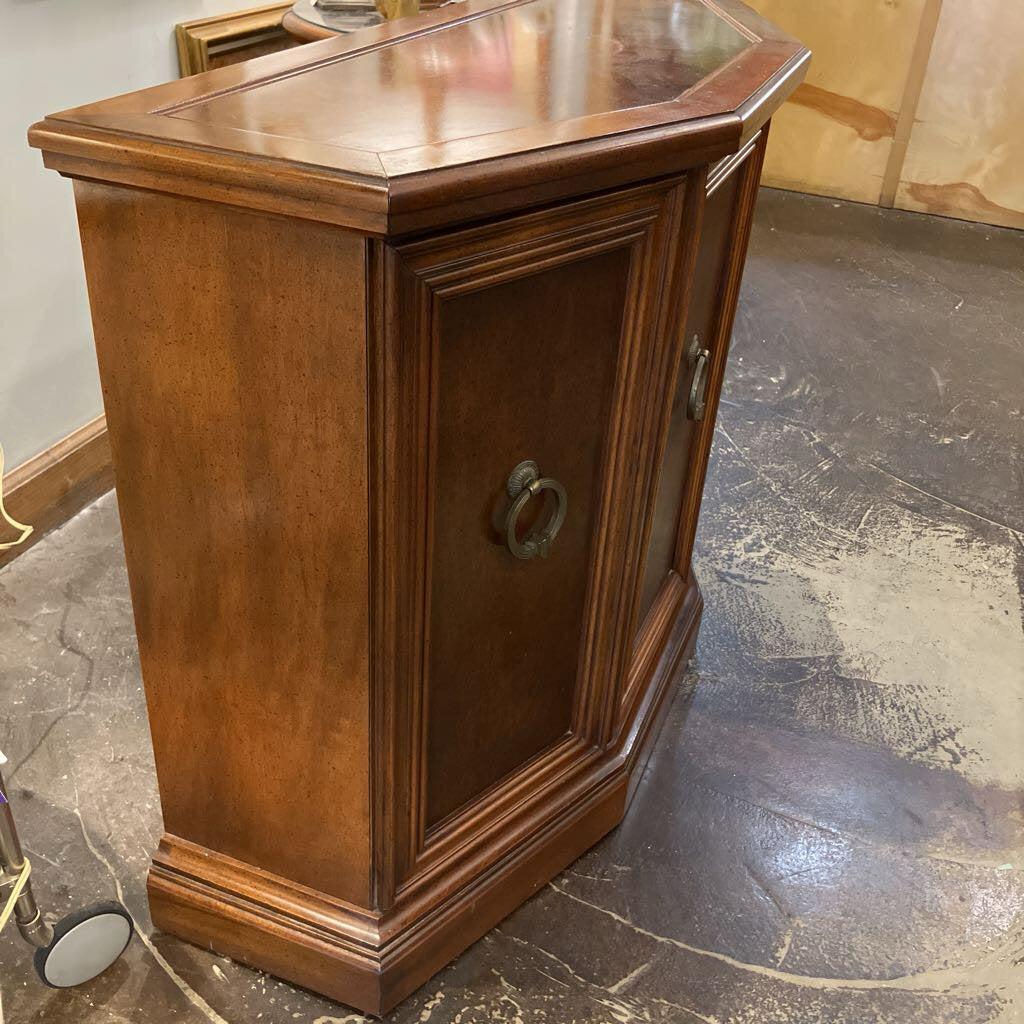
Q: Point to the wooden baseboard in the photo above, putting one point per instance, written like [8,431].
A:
[50,488]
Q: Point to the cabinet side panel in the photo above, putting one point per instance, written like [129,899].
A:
[231,350]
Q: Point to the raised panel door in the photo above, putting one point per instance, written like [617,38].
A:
[531,339]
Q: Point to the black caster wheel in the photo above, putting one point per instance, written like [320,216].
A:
[84,945]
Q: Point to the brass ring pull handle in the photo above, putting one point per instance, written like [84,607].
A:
[698,386]
[524,483]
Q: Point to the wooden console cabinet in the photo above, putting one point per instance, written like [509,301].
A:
[396,678]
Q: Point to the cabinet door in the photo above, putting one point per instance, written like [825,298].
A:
[697,329]
[706,326]
[531,339]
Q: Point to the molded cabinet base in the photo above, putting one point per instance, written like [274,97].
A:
[372,961]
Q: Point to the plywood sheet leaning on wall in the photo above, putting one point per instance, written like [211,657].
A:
[908,103]
[966,150]
[835,135]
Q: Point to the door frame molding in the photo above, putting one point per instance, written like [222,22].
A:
[408,284]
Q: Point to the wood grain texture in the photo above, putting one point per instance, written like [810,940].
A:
[916,72]
[965,153]
[283,661]
[226,39]
[48,489]
[377,731]
[624,239]
[505,636]
[727,194]
[909,103]
[479,95]
[374,960]
[700,321]
[304,31]
[836,135]
[237,416]
[719,340]
[674,86]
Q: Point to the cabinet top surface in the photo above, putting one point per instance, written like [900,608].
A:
[533,64]
[398,109]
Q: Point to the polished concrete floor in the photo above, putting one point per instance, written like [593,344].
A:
[832,826]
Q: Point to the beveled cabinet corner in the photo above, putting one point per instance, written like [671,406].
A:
[411,399]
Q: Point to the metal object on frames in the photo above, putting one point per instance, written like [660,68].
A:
[524,483]
[83,944]
[15,885]
[698,359]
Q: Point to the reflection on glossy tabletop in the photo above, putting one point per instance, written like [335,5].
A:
[540,62]
[308,22]
[425,120]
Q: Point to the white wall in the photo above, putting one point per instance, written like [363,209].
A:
[56,54]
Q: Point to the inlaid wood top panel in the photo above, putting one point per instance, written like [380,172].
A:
[532,64]
[468,110]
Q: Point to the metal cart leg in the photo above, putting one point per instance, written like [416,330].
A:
[82,944]
[12,862]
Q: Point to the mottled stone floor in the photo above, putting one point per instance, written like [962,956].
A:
[831,828]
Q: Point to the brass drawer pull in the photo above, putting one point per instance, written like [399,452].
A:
[525,482]
[698,385]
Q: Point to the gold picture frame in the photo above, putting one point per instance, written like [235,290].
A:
[229,38]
